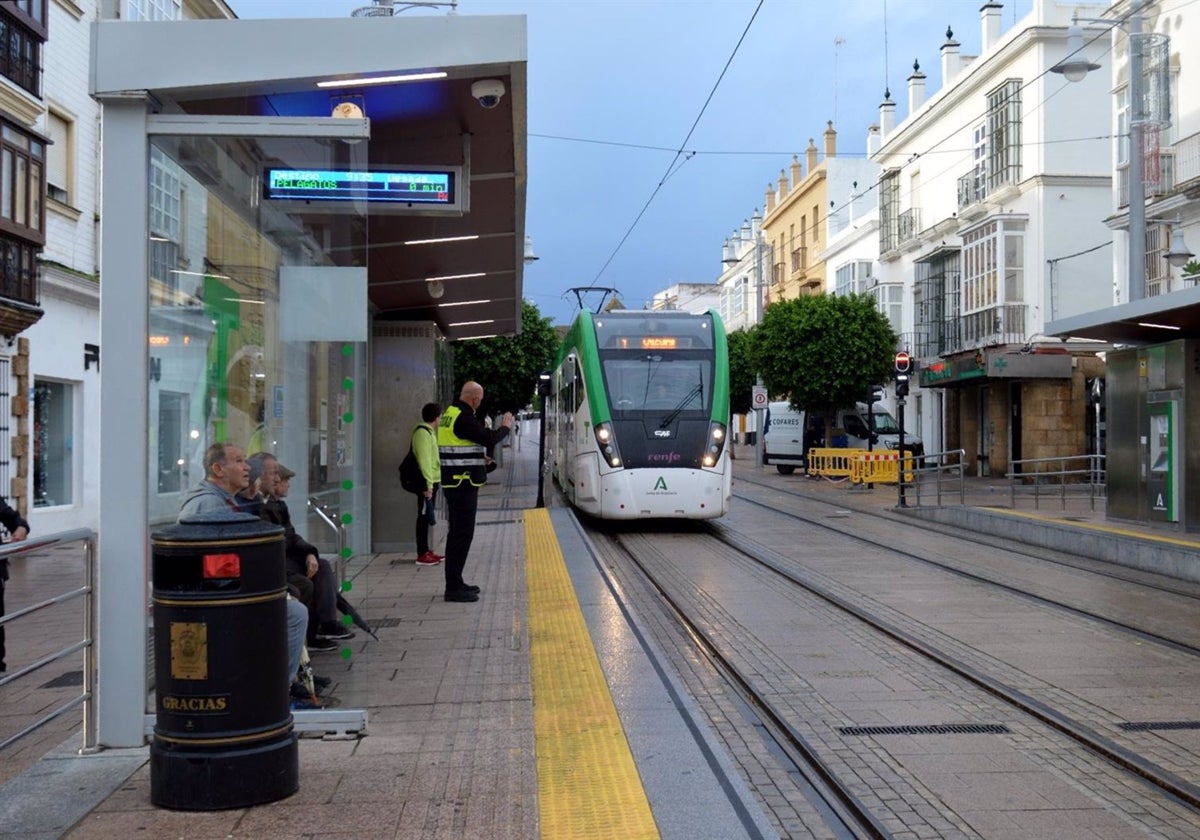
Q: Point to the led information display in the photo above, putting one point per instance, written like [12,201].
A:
[433,187]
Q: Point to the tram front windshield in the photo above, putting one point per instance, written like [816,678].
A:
[658,384]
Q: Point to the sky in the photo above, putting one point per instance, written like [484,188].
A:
[615,87]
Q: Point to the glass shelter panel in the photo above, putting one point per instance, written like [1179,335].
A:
[258,331]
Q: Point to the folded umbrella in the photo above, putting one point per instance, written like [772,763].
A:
[345,608]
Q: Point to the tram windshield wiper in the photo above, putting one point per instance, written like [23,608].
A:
[698,391]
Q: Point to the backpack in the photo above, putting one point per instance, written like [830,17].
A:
[411,477]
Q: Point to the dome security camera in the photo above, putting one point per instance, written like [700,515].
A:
[488,92]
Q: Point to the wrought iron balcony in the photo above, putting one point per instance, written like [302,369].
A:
[1187,159]
[1158,183]
[909,224]
[799,260]
[971,189]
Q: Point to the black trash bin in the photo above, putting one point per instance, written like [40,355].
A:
[223,733]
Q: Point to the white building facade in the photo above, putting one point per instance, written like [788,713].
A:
[992,199]
[49,443]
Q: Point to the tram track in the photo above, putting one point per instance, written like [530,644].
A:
[851,817]
[960,571]
[849,806]
[1058,558]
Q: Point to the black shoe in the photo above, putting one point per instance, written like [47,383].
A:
[462,595]
[333,630]
[322,683]
[470,588]
[321,645]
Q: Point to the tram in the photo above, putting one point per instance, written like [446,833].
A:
[638,416]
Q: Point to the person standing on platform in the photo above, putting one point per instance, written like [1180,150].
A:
[425,450]
[465,448]
[18,530]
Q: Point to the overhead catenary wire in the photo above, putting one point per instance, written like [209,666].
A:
[937,147]
[671,167]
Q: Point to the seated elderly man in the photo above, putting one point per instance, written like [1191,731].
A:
[226,474]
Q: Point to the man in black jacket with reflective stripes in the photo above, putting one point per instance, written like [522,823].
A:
[465,448]
[18,529]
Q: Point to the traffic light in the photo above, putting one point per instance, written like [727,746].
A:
[903,370]
[874,394]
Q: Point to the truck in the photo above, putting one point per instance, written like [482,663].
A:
[790,433]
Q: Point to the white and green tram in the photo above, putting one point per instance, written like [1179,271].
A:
[638,416]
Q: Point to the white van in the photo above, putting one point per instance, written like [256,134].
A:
[785,443]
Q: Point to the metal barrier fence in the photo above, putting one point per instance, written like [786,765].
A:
[86,644]
[1036,474]
[941,468]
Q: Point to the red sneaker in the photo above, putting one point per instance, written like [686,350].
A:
[438,557]
[428,559]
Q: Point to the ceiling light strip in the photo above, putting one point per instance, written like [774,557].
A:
[381,80]
[442,239]
[457,276]
[465,303]
[472,323]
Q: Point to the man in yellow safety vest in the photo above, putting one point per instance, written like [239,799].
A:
[465,448]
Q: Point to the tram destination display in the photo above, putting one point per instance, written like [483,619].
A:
[411,186]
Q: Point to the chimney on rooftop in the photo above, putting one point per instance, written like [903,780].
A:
[770,197]
[990,19]
[916,88]
[797,171]
[874,141]
[830,141]
[951,63]
[810,155]
[887,115]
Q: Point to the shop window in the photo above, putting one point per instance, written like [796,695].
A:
[53,443]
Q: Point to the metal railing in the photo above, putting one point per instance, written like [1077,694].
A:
[86,644]
[1187,159]
[327,514]
[945,468]
[909,224]
[1037,477]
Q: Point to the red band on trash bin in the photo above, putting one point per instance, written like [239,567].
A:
[222,566]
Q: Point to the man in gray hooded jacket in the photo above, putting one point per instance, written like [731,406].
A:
[225,474]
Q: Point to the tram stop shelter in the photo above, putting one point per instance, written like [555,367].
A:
[298,216]
[1152,399]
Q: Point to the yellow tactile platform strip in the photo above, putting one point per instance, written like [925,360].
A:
[1099,527]
[588,783]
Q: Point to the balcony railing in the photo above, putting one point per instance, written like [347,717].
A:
[777,274]
[1156,286]
[799,259]
[971,189]
[1187,159]
[1003,324]
[909,224]
[1155,187]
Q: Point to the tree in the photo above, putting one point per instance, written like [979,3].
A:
[508,368]
[743,374]
[824,351]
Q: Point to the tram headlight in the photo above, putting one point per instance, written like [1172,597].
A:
[606,442]
[716,444]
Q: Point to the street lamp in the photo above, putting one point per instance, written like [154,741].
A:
[1074,68]
[1178,255]
[543,390]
